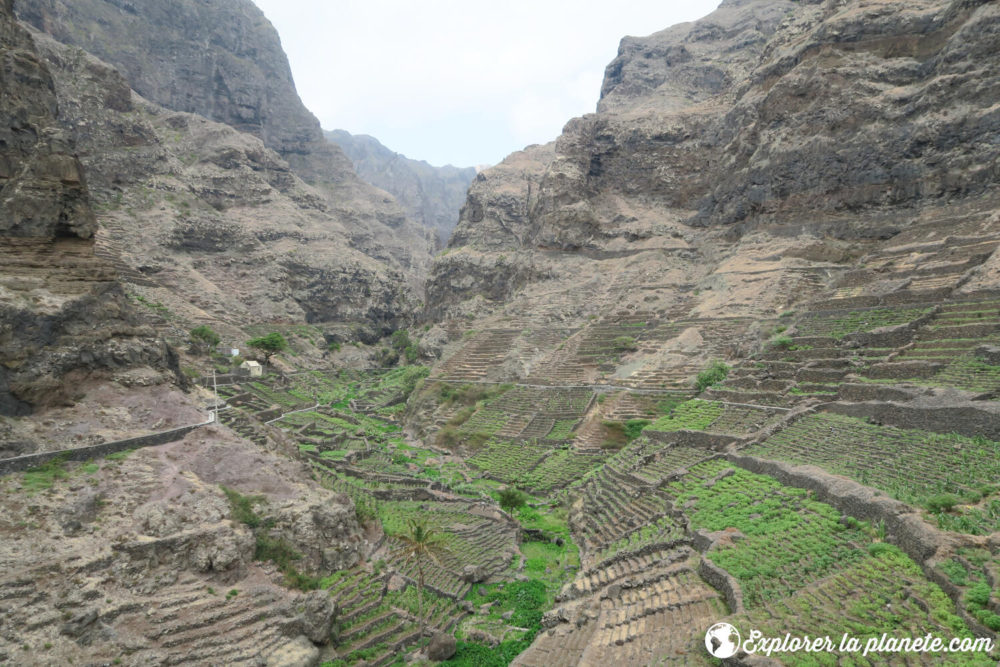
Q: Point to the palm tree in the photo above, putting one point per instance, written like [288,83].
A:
[419,545]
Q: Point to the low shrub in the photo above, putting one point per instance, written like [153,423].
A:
[716,372]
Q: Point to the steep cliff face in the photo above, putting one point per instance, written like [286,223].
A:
[222,60]
[784,123]
[430,195]
[63,316]
[251,219]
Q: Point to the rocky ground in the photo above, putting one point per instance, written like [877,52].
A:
[149,568]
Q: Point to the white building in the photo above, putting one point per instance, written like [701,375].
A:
[252,368]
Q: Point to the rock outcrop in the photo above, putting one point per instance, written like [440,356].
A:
[430,195]
[768,144]
[63,316]
[212,181]
[222,60]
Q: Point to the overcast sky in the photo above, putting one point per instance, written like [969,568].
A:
[461,83]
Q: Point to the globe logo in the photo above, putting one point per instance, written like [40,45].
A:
[722,640]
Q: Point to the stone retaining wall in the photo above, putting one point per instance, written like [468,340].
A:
[919,540]
[968,420]
[721,580]
[22,463]
[713,441]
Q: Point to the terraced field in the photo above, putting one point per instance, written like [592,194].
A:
[884,592]
[839,324]
[641,540]
[785,540]
[951,475]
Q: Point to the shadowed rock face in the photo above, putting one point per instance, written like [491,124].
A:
[222,60]
[61,311]
[430,195]
[217,184]
[41,182]
[776,119]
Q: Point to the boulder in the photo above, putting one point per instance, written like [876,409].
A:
[442,647]
[318,614]
[474,574]
[298,652]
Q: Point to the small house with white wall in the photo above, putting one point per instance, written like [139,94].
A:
[252,368]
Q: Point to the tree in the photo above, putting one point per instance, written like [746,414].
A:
[203,338]
[421,544]
[713,375]
[270,345]
[511,499]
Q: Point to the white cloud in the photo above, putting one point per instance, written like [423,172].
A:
[454,81]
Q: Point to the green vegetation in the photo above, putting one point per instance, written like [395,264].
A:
[624,344]
[404,346]
[511,499]
[838,326]
[711,376]
[693,415]
[951,476]
[562,430]
[527,601]
[421,545]
[269,345]
[44,476]
[782,343]
[242,507]
[789,539]
[156,306]
[869,597]
[968,570]
[204,339]
[268,547]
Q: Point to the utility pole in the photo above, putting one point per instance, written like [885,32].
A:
[215,388]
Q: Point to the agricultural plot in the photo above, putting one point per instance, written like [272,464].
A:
[950,475]
[608,508]
[664,530]
[669,461]
[787,541]
[976,572]
[560,468]
[694,415]
[743,420]
[951,338]
[383,391]
[562,429]
[486,421]
[969,373]
[558,403]
[885,592]
[508,461]
[840,324]
[605,342]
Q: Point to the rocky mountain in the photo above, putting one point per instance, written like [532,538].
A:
[215,169]
[222,60]
[771,256]
[65,319]
[430,195]
[142,540]
[727,350]
[768,144]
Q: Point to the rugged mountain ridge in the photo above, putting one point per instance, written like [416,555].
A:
[64,317]
[431,195]
[270,191]
[812,126]
[222,60]
[771,256]
[139,540]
